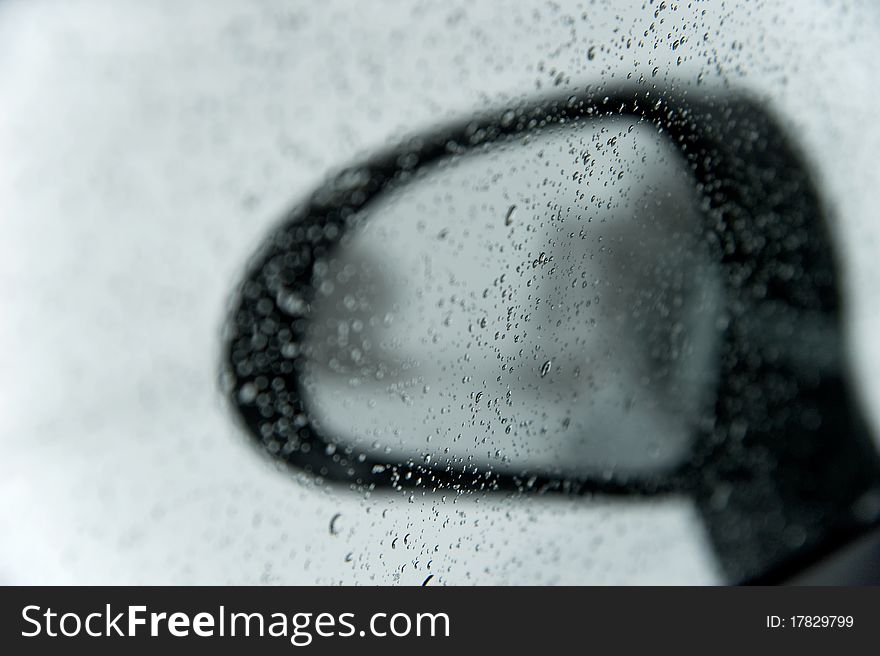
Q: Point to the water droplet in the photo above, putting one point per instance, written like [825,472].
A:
[247,393]
[291,303]
[545,368]
[508,219]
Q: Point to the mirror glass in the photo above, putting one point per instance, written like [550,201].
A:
[542,304]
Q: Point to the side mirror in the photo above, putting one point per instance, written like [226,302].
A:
[776,453]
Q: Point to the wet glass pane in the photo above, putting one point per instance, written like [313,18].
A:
[620,329]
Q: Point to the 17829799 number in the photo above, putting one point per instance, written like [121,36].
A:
[810,622]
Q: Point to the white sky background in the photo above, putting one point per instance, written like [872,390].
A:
[147,148]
